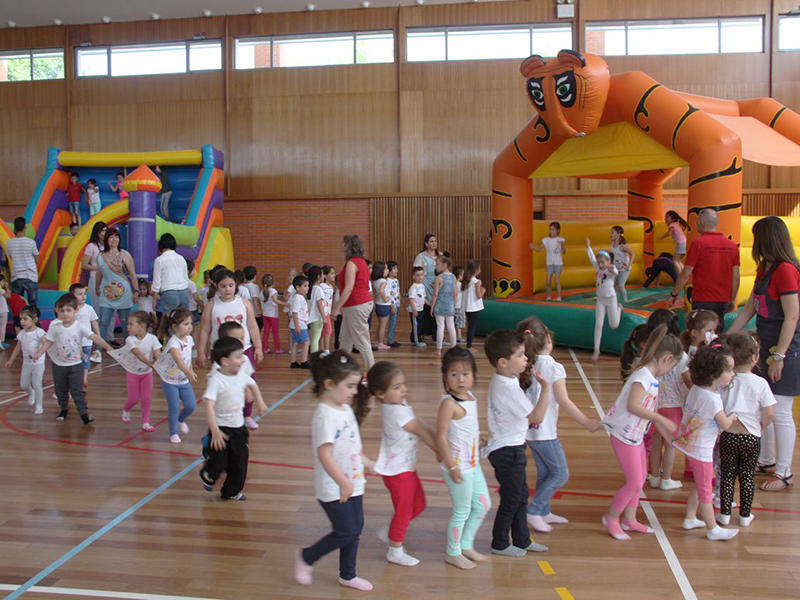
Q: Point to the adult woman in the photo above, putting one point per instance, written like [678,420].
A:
[116,280]
[89,260]
[775,301]
[427,260]
[355,301]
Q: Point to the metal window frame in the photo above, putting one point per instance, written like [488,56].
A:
[780,18]
[30,52]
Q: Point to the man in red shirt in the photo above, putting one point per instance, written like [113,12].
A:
[713,264]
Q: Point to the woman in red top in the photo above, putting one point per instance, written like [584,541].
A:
[775,302]
[355,301]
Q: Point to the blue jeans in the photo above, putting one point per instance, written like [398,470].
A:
[172,299]
[23,286]
[392,325]
[107,316]
[552,473]
[175,394]
[348,521]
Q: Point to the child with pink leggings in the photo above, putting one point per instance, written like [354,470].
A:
[703,418]
[628,421]
[136,357]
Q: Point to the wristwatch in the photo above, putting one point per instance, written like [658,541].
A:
[778,357]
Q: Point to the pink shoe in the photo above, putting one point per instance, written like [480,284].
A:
[148,428]
[381,347]
[250,423]
[302,571]
[267,351]
[280,351]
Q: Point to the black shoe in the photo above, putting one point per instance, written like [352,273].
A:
[295,365]
[395,345]
[87,418]
[114,344]
[240,496]
[62,416]
[305,365]
[209,487]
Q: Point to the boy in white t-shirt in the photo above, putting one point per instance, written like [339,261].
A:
[393,291]
[64,342]
[510,413]
[299,322]
[415,305]
[87,316]
[555,245]
[250,273]
[225,401]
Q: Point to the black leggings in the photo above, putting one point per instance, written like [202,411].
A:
[472,326]
[738,455]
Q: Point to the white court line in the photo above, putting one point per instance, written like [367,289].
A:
[50,385]
[661,536]
[42,589]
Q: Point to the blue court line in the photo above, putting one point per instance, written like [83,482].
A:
[113,523]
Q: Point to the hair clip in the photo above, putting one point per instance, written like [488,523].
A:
[716,346]
[343,359]
[528,331]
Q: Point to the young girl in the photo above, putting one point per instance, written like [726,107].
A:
[676,227]
[703,417]
[316,307]
[145,300]
[472,299]
[551,463]
[5,294]
[141,350]
[398,456]
[443,303]
[203,291]
[338,466]
[93,197]
[328,287]
[393,289]
[627,422]
[383,304]
[286,301]
[29,340]
[701,326]
[174,366]
[623,259]
[555,245]
[457,441]
[606,296]
[750,398]
[270,307]
[460,318]
[117,186]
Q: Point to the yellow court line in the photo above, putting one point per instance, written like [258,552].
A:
[545,567]
[564,593]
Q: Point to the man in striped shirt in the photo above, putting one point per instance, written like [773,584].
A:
[23,253]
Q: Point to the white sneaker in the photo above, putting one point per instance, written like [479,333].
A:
[183,427]
[723,519]
[175,439]
[655,482]
[126,416]
[745,521]
[670,484]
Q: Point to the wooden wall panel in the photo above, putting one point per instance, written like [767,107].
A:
[782,204]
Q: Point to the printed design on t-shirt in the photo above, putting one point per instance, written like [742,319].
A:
[635,429]
[355,472]
[465,452]
[168,369]
[66,351]
[689,439]
[230,319]
[602,276]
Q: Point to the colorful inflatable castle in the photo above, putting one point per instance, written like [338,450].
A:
[196,181]
[591,124]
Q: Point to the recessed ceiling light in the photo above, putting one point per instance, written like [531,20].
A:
[258,10]
[310,7]
[366,4]
[57,22]
[106,19]
[12,23]
[155,16]
[420,2]
[207,13]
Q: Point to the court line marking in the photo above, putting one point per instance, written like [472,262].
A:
[545,567]
[43,589]
[19,394]
[564,593]
[127,513]
[669,553]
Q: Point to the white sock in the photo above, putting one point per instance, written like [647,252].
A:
[398,556]
[693,523]
[719,533]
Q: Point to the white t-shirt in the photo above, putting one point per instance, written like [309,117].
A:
[268,305]
[244,293]
[463,435]
[399,448]
[378,298]
[317,294]
[147,346]
[507,410]
[93,194]
[253,291]
[471,301]
[30,342]
[224,312]
[699,428]
[604,278]
[459,301]
[623,425]
[287,297]
[167,368]
[393,291]
[416,297]
[299,306]
[672,388]
[552,246]
[552,371]
[328,292]
[85,315]
[145,303]
[192,300]
[340,428]
[746,396]
[67,342]
[227,393]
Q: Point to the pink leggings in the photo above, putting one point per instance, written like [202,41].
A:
[633,461]
[140,387]
[271,324]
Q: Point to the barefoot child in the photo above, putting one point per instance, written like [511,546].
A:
[29,341]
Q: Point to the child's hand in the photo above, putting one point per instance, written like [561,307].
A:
[192,375]
[8,364]
[456,475]
[200,361]
[345,491]
[670,426]
[734,417]
[218,440]
[37,356]
[593,425]
[538,377]
[588,242]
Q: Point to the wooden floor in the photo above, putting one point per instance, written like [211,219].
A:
[155,533]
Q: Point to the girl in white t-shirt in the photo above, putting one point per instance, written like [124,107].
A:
[551,463]
[605,276]
[701,326]
[316,307]
[328,287]
[174,366]
[397,460]
[339,463]
[555,247]
[286,300]
[627,422]
[383,303]
[141,350]
[472,299]
[703,417]
[29,340]
[270,305]
[5,294]
[460,317]
[623,259]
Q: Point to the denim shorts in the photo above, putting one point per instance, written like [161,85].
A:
[383,310]
[86,355]
[300,337]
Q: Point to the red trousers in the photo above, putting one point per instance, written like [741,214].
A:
[408,499]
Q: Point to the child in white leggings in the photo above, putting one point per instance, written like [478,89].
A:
[29,340]
[606,296]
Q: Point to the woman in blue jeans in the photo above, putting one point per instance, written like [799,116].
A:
[114,284]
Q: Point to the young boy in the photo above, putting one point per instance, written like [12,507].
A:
[510,413]
[225,403]
[74,228]
[63,342]
[393,291]
[415,306]
[74,190]
[86,316]
[250,273]
[300,338]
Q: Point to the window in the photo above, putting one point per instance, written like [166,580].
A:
[789,32]
[32,65]
[678,36]
[151,59]
[362,47]
[488,42]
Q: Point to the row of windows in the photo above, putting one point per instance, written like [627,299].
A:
[617,38]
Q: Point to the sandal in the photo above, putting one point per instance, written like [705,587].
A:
[766,469]
[784,484]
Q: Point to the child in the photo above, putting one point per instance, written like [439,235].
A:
[29,341]
[457,440]
[287,300]
[93,197]
[397,460]
[74,190]
[64,342]
[627,422]
[606,296]
[383,304]
[623,259]
[555,247]
[472,299]
[74,228]
[416,305]
[703,417]
[443,303]
[316,310]
[701,327]
[225,402]
[551,462]
[328,287]
[203,291]
[510,414]
[5,294]
[144,299]
[250,284]
[268,297]
[300,338]
[137,356]
[338,467]
[241,291]
[174,366]
[750,398]
[460,318]
[393,287]
[195,300]
[88,317]
[676,227]
[117,186]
